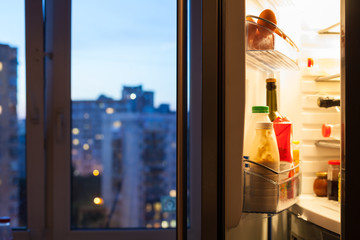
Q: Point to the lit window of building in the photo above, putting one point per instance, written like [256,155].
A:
[76,141]
[109,110]
[75,131]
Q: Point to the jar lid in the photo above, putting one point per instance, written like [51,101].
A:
[270,80]
[264,125]
[260,109]
[4,219]
[334,162]
[321,174]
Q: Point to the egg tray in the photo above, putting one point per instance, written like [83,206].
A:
[269,50]
[269,191]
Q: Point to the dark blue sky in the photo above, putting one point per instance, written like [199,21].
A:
[114,43]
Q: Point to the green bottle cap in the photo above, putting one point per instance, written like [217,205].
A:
[260,109]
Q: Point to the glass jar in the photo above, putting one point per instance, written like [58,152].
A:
[333,179]
[320,184]
[5,229]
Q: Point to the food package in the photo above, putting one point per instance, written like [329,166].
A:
[283,132]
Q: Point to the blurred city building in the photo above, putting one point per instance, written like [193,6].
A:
[129,146]
[12,161]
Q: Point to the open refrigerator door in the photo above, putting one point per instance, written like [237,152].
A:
[301,50]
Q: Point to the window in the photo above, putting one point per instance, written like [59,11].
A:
[99,137]
[123,59]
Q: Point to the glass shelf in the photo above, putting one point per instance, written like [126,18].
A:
[270,60]
[269,49]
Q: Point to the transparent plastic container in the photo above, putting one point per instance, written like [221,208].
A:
[265,188]
[5,229]
[274,195]
[265,156]
[259,114]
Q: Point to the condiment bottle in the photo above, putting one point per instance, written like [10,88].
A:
[271,98]
[320,184]
[333,179]
[296,154]
[258,114]
[264,149]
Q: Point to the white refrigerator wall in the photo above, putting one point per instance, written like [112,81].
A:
[298,101]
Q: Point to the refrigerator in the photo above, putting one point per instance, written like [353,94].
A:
[318,60]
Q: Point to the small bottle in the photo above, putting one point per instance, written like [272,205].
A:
[326,102]
[333,179]
[331,130]
[296,154]
[271,99]
[5,229]
[320,184]
[259,114]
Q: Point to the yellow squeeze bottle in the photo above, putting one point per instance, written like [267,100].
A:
[296,154]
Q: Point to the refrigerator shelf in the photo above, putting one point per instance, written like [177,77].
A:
[328,143]
[268,47]
[270,60]
[269,191]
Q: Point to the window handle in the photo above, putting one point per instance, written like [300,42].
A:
[34,110]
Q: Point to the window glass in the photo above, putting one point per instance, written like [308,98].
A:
[12,112]
[123,90]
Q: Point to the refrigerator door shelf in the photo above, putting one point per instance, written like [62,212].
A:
[269,49]
[268,191]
